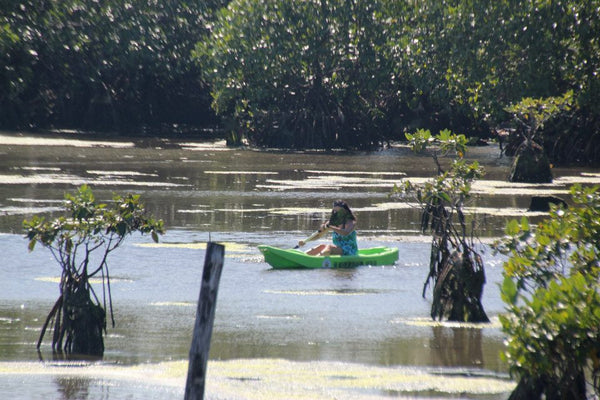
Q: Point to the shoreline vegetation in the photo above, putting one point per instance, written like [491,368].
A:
[293,75]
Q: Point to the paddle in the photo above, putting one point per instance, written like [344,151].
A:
[314,236]
[337,217]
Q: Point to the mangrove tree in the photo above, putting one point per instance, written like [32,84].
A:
[81,242]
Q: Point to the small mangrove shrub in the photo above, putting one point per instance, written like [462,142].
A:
[552,300]
[80,242]
[456,268]
[531,116]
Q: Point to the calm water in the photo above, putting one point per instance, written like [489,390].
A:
[360,333]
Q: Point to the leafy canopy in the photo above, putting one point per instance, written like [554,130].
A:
[551,291]
[451,187]
[90,226]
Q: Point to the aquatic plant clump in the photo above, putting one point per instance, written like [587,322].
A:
[456,269]
[553,300]
[81,242]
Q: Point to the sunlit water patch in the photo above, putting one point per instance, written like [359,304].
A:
[201,209]
[229,246]
[251,379]
[41,179]
[56,279]
[67,179]
[358,173]
[584,178]
[173,304]
[428,322]
[241,172]
[278,379]
[252,259]
[382,207]
[494,211]
[279,317]
[171,245]
[326,292]
[39,141]
[503,212]
[14,210]
[409,235]
[35,201]
[5,320]
[387,206]
[119,173]
[217,145]
[37,169]
[326,182]
[557,187]
[295,211]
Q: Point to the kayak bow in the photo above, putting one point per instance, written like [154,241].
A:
[291,258]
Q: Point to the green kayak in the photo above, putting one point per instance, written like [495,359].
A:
[291,258]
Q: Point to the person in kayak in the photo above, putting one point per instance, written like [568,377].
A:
[342,225]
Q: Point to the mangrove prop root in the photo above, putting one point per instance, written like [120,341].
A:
[458,280]
[78,321]
[52,313]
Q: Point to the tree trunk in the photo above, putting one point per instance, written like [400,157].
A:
[531,166]
[77,320]
[86,335]
[537,388]
[459,287]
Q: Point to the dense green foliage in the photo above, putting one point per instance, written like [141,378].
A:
[295,72]
[319,73]
[456,269]
[552,295]
[81,242]
[299,74]
[101,65]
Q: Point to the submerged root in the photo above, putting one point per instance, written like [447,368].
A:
[458,278]
[78,321]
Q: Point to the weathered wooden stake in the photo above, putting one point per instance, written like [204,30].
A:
[205,316]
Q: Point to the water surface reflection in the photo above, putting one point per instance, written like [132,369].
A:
[213,188]
[328,332]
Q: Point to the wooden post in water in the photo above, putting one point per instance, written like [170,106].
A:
[205,316]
